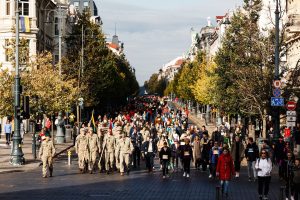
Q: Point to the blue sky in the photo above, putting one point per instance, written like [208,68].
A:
[157,31]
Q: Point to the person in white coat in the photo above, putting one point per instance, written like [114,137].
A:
[263,167]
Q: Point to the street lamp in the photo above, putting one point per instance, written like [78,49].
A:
[276,77]
[17,153]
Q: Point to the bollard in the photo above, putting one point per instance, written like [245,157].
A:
[218,192]
[282,193]
[69,157]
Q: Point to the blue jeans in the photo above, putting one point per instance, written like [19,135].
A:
[224,186]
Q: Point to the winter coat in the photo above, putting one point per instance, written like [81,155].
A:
[234,148]
[225,167]
[197,150]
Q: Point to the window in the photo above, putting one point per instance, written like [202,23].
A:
[24,7]
[56,28]
[7,7]
[6,47]
[76,4]
[85,4]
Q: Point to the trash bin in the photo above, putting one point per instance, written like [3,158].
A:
[68,135]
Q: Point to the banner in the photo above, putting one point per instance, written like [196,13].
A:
[25,24]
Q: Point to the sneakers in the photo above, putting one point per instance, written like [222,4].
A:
[237,175]
[164,177]
[265,198]
[210,176]
[188,176]
[249,179]
[184,174]
[292,198]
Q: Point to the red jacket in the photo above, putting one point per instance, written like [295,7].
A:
[225,167]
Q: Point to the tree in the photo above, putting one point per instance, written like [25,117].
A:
[6,93]
[105,77]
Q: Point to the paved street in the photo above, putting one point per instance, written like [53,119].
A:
[67,183]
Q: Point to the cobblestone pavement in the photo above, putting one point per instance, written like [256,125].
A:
[68,184]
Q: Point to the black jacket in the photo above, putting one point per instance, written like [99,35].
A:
[186,152]
[164,153]
[251,152]
[146,146]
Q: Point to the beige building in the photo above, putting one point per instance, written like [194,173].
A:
[293,33]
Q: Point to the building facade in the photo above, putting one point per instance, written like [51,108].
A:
[28,28]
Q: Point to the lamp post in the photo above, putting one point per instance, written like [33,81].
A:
[17,153]
[276,77]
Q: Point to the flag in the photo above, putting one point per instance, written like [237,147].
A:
[25,24]
[92,121]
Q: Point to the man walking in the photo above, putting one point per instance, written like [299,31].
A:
[251,154]
[46,153]
[93,145]
[81,148]
[109,149]
[125,148]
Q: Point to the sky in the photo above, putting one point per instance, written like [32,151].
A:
[155,32]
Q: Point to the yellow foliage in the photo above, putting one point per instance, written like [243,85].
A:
[205,86]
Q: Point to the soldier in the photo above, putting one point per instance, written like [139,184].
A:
[81,148]
[125,148]
[94,146]
[109,149]
[117,130]
[102,132]
[46,153]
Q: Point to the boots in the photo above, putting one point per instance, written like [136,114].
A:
[51,172]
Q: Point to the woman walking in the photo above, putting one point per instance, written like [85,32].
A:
[225,170]
[186,156]
[264,167]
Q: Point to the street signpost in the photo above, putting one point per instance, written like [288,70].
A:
[291,113]
[276,92]
[277,83]
[291,124]
[291,105]
[277,101]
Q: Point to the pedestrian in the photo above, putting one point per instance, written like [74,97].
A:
[136,139]
[264,167]
[46,154]
[175,150]
[214,154]
[197,152]
[186,156]
[206,146]
[149,151]
[280,156]
[288,165]
[296,179]
[94,147]
[125,148]
[251,154]
[8,130]
[225,170]
[165,156]
[82,149]
[237,153]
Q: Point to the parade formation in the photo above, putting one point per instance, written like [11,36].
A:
[151,129]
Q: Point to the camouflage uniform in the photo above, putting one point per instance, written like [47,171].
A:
[81,148]
[94,147]
[110,144]
[117,134]
[46,153]
[102,132]
[126,148]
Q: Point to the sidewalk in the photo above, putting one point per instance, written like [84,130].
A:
[30,162]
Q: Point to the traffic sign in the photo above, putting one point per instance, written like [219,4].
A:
[277,101]
[277,83]
[291,105]
[276,92]
[290,124]
[290,119]
[291,113]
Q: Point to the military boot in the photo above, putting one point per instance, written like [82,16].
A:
[51,172]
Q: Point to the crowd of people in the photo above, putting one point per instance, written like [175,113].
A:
[150,128]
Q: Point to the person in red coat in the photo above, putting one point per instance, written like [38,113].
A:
[225,170]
